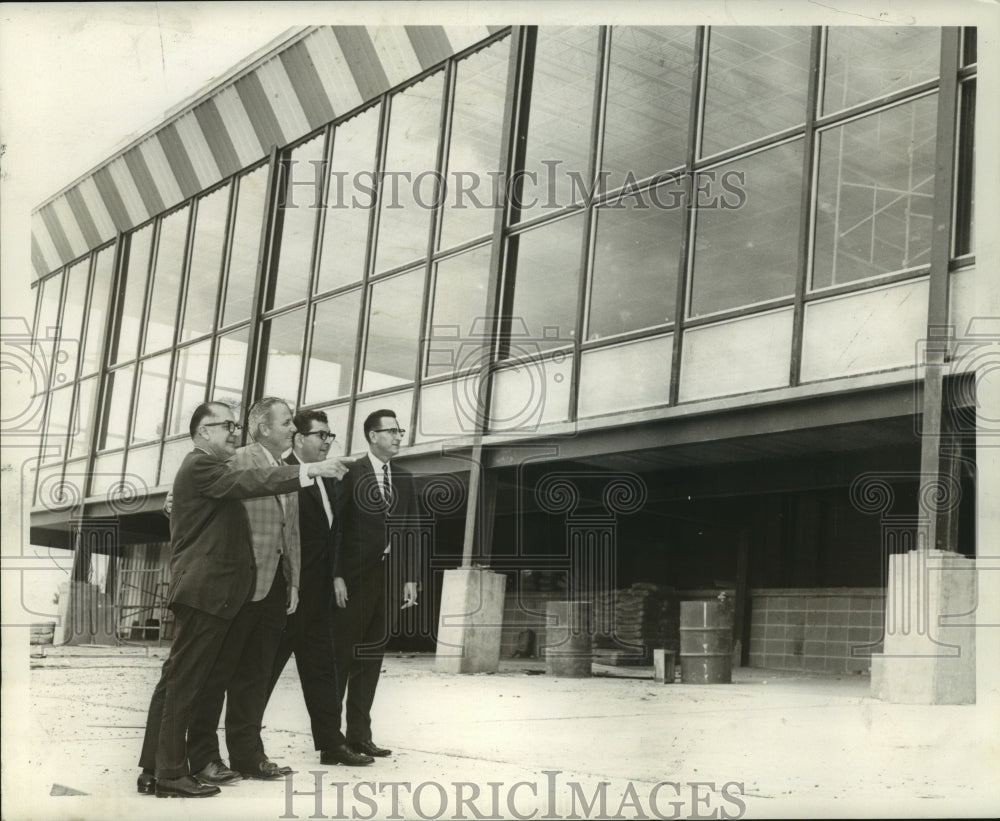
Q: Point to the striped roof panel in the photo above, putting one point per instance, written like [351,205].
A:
[320,74]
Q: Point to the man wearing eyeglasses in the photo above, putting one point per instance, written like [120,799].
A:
[376,496]
[212,577]
[307,631]
[243,670]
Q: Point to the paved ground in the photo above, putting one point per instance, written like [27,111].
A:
[522,744]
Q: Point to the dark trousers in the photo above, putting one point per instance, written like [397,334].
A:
[308,635]
[359,639]
[240,678]
[198,641]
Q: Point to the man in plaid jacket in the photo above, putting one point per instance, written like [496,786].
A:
[244,665]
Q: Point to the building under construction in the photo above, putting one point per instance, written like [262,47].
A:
[696,308]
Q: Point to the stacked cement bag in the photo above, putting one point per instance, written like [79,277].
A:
[630,623]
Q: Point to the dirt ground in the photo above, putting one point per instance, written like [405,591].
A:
[521,744]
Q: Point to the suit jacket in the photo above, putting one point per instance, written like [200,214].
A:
[363,522]
[212,563]
[274,526]
[315,531]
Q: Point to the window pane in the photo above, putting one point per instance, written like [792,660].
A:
[162,320]
[875,194]
[245,246]
[107,473]
[151,399]
[117,405]
[57,426]
[406,201]
[349,202]
[649,101]
[636,256]
[546,286]
[747,230]
[140,468]
[456,339]
[757,81]
[399,402]
[173,455]
[969,50]
[303,175]
[206,265]
[559,124]
[393,331]
[865,63]
[71,324]
[135,292]
[49,295]
[622,377]
[98,314]
[283,337]
[337,417]
[331,361]
[965,194]
[190,384]
[477,126]
[83,418]
[230,367]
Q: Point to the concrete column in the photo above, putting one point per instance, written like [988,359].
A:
[929,651]
[470,620]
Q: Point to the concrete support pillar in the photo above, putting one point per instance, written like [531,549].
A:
[929,650]
[470,620]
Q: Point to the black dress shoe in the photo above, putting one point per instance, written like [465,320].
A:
[146,785]
[265,770]
[184,787]
[343,754]
[368,748]
[215,772]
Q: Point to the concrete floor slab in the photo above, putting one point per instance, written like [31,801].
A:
[516,743]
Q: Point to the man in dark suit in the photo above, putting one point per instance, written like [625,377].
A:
[212,576]
[374,505]
[307,631]
[243,669]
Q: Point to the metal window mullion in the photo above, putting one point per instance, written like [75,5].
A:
[220,291]
[184,287]
[147,294]
[252,382]
[319,224]
[585,282]
[503,259]
[499,292]
[807,198]
[434,233]
[361,338]
[102,405]
[143,356]
[685,263]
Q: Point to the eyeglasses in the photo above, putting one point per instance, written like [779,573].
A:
[391,431]
[324,435]
[232,426]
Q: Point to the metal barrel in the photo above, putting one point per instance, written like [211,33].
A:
[706,642]
[567,639]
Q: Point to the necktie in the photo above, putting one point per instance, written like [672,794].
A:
[386,487]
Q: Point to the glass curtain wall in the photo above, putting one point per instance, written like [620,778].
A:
[69,330]
[670,177]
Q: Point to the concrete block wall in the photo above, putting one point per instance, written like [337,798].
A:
[814,630]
